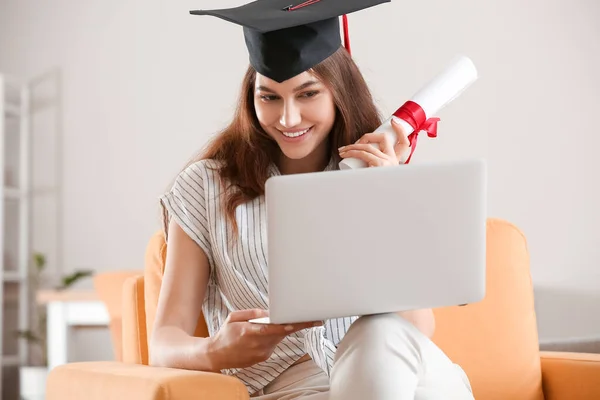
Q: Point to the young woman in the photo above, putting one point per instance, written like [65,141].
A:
[287,121]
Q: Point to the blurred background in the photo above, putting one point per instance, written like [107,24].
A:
[103,102]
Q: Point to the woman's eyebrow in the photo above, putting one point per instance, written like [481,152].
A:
[296,89]
[264,89]
[305,85]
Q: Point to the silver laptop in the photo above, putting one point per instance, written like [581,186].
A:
[375,240]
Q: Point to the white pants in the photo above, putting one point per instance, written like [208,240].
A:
[382,357]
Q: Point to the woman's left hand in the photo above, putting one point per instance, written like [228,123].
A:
[387,154]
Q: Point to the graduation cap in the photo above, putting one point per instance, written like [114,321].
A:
[287,37]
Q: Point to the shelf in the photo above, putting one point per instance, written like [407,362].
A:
[13,82]
[10,361]
[10,192]
[12,276]
[13,193]
[17,109]
[12,111]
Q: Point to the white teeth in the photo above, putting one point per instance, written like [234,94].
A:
[295,134]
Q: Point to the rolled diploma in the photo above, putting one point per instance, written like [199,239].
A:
[432,97]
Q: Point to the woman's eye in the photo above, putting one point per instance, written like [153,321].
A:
[268,97]
[310,94]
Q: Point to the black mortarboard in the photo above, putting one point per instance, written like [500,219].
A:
[287,37]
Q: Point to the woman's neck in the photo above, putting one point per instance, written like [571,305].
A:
[314,162]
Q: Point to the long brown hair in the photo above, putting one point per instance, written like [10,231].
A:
[245,151]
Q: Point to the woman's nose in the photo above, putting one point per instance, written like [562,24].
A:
[290,116]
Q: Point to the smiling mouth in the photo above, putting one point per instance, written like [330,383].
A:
[295,134]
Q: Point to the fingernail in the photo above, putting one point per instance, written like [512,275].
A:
[289,328]
[342,148]
[396,119]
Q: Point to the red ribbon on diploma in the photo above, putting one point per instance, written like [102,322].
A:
[415,116]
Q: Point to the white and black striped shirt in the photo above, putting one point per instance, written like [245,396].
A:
[238,269]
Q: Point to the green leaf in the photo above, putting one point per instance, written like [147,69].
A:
[71,279]
[40,261]
[29,336]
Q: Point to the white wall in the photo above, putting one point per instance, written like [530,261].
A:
[144,87]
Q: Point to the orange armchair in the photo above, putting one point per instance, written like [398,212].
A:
[495,341]
[109,287]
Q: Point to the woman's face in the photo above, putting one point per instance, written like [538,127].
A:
[298,113]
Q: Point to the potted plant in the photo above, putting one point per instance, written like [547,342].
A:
[33,375]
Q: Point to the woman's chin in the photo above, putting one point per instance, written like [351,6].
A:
[295,153]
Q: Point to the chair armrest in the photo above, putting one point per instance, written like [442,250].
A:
[570,376]
[115,380]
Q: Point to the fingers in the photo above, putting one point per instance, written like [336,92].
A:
[370,159]
[403,143]
[363,148]
[282,330]
[367,153]
[246,315]
[399,129]
[381,140]
[266,329]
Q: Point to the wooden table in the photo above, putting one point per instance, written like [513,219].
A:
[66,310]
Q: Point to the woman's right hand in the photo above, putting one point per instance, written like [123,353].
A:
[241,344]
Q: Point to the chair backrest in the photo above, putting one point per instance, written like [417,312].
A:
[135,342]
[108,285]
[140,295]
[156,254]
[495,340]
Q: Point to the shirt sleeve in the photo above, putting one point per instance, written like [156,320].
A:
[185,203]
[336,328]
[321,350]
[321,342]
